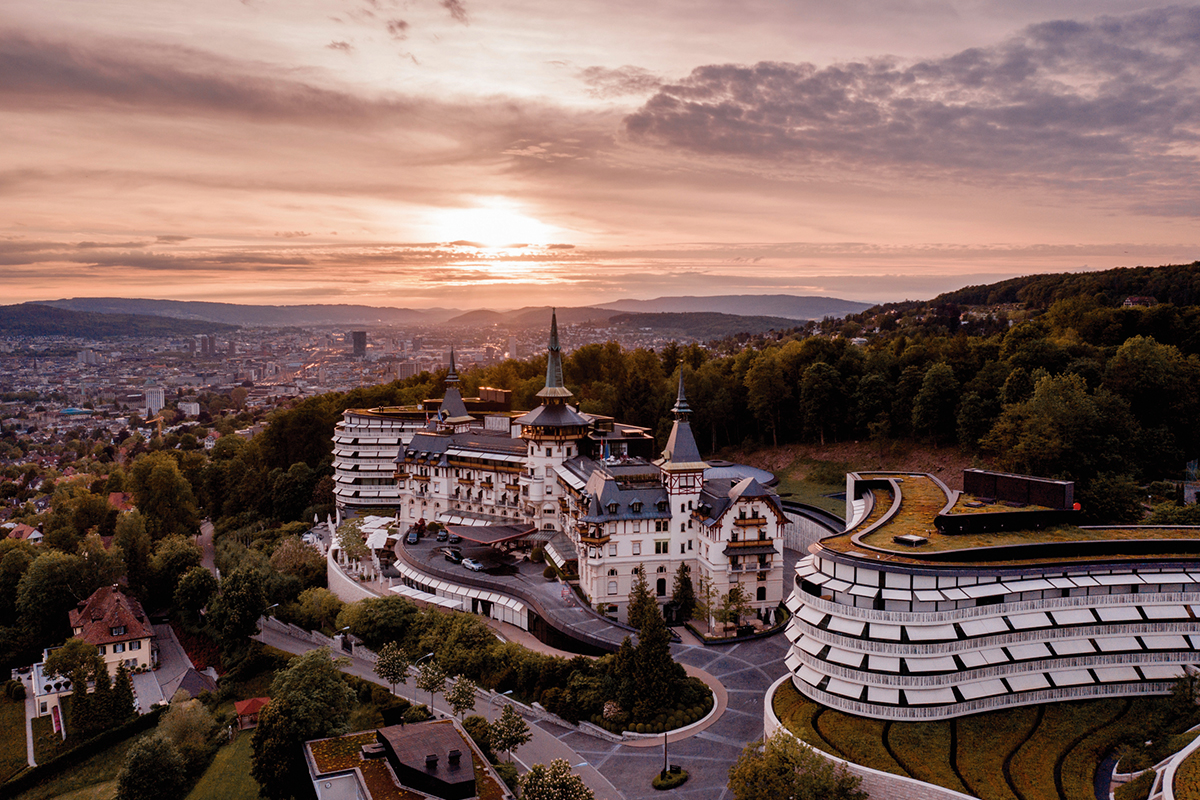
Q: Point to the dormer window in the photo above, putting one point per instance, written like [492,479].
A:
[612,508]
[662,505]
[636,507]
[118,631]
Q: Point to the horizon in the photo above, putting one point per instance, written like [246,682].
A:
[500,155]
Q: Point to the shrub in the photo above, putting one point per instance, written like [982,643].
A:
[1136,789]
[537,555]
[549,572]
[417,714]
[508,773]
[670,780]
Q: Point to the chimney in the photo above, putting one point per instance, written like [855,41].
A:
[431,762]
[453,757]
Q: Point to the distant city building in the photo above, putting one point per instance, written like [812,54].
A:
[512,347]
[359,340]
[407,369]
[155,400]
[189,409]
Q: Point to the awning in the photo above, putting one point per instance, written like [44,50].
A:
[492,534]
[749,550]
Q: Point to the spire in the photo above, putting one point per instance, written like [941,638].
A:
[681,407]
[554,370]
[451,376]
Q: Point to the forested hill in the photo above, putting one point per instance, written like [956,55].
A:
[31,319]
[702,325]
[1178,284]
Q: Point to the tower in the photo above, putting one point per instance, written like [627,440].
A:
[551,432]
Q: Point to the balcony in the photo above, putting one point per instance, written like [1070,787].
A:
[744,543]
[594,538]
[466,481]
[422,478]
[750,522]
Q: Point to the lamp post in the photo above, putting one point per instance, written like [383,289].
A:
[496,697]
[268,608]
[664,769]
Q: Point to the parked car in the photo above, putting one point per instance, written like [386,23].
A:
[442,535]
[412,538]
[455,539]
[472,565]
[452,554]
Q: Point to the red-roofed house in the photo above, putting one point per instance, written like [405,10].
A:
[248,711]
[116,624]
[25,532]
[121,501]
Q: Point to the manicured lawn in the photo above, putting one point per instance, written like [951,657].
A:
[809,491]
[46,743]
[94,778]
[1051,751]
[12,737]
[1187,778]
[228,776]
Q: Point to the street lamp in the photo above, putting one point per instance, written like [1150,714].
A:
[496,697]
[268,608]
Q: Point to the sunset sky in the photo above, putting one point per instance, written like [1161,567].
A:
[503,153]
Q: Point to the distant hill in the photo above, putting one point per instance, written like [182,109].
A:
[32,319]
[700,325]
[793,307]
[1178,284]
[533,316]
[253,315]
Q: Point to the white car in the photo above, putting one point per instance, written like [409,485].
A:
[472,565]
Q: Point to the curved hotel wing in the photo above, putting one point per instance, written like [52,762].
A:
[936,603]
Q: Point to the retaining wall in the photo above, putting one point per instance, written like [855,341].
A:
[881,785]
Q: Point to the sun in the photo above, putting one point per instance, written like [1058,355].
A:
[493,224]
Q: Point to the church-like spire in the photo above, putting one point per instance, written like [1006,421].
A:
[452,376]
[681,407]
[554,370]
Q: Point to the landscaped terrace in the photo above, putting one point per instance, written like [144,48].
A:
[922,498]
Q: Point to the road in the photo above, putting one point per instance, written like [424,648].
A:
[542,748]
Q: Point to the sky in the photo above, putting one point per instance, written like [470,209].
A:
[505,153]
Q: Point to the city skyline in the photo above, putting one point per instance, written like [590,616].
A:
[464,153]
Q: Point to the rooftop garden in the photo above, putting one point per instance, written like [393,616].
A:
[922,499]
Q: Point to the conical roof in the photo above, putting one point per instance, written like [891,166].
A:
[554,371]
[681,452]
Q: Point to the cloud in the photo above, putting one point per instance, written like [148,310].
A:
[397,29]
[171,239]
[292,234]
[457,10]
[345,47]
[45,74]
[627,80]
[1072,103]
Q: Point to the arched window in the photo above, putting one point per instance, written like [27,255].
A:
[762,593]
[661,587]
[662,569]
[612,573]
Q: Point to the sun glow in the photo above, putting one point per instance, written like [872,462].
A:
[494,224]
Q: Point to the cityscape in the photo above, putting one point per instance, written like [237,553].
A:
[462,400]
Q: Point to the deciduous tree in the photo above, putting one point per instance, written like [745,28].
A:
[391,664]
[461,695]
[555,782]
[783,768]
[153,770]
[510,731]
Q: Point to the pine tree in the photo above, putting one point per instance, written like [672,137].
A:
[654,668]
[122,696]
[683,595]
[641,602]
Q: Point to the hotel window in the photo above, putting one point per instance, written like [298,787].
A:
[612,587]
[135,645]
[637,548]
[637,526]
[119,647]
[612,549]
[102,650]
[662,547]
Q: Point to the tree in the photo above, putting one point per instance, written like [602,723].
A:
[317,608]
[319,700]
[73,655]
[934,407]
[683,595]
[122,695]
[767,392]
[555,782]
[654,669]
[392,664]
[706,600]
[134,541]
[195,588]
[293,557]
[52,585]
[234,612]
[191,727]
[172,557]
[277,761]
[783,767]
[153,769]
[431,678]
[822,399]
[735,606]
[641,602]
[461,695]
[163,495]
[510,731]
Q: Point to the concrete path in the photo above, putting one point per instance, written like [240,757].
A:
[173,661]
[30,712]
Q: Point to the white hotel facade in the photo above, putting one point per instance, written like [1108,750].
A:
[935,603]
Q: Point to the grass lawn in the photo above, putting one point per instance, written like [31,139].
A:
[93,779]
[12,737]
[1045,747]
[46,743]
[1187,778]
[228,776]
[816,484]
